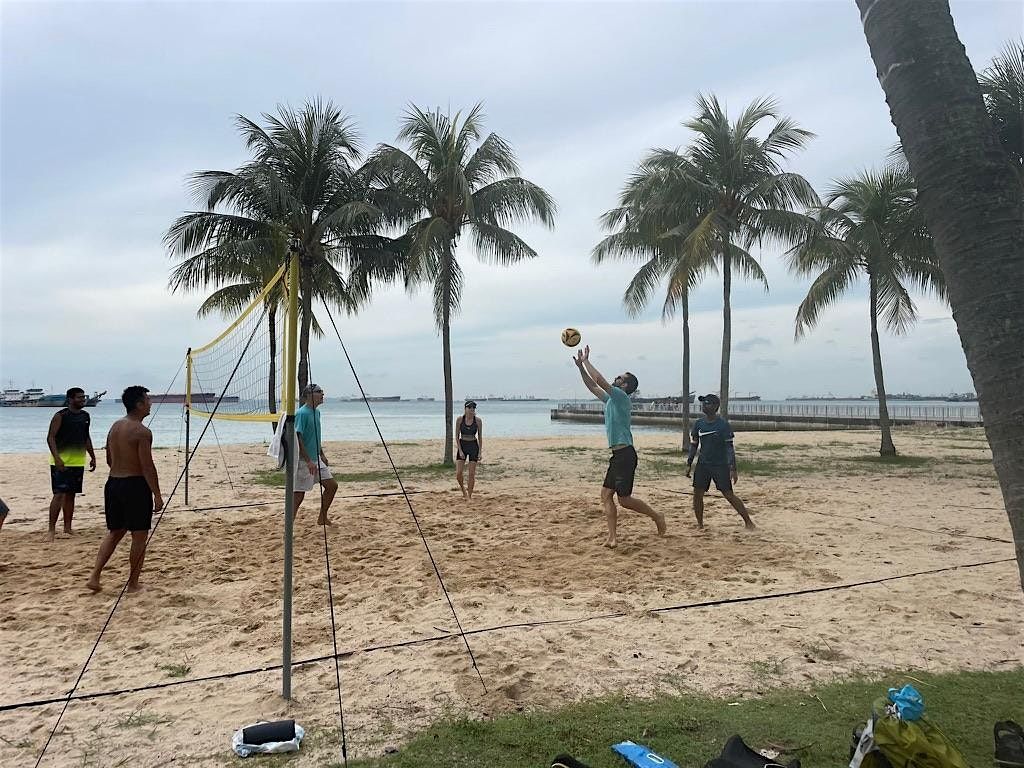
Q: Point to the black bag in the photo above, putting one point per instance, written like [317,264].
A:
[736,754]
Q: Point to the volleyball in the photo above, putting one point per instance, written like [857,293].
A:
[570,337]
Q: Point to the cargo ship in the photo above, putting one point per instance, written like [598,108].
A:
[36,397]
[202,398]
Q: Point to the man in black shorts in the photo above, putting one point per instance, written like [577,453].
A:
[717,462]
[132,492]
[618,414]
[69,442]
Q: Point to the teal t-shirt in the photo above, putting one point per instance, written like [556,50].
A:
[307,425]
[617,415]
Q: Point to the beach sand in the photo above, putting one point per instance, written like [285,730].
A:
[527,549]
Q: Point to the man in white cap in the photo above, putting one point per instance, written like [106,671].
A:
[312,467]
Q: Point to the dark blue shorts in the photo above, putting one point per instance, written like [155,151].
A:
[704,474]
[67,480]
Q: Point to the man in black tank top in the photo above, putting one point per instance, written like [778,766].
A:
[69,443]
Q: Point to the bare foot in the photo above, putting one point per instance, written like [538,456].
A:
[94,583]
[134,587]
[51,534]
[611,543]
[750,525]
[67,532]
[659,520]
[322,521]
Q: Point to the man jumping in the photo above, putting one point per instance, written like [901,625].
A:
[618,481]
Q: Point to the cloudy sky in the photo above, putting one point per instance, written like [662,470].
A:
[105,109]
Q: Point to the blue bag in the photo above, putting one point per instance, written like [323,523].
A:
[908,702]
[641,756]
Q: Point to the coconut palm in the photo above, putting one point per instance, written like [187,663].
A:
[242,280]
[444,187]
[302,180]
[870,226]
[742,197]
[644,214]
[1003,86]
[973,203]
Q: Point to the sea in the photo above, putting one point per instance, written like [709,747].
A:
[23,430]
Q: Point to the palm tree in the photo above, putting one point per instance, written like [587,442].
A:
[241,280]
[742,197]
[870,225]
[443,187]
[1003,86]
[638,224]
[302,180]
[973,203]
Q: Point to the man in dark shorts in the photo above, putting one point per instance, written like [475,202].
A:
[69,442]
[132,492]
[713,435]
[618,414]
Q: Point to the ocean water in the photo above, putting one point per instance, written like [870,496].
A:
[24,429]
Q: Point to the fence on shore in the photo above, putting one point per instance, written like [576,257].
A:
[758,415]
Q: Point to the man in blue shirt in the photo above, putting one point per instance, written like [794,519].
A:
[311,466]
[713,435]
[618,481]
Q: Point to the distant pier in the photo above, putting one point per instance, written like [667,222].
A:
[756,416]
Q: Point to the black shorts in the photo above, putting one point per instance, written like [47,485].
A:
[705,473]
[67,480]
[469,450]
[621,471]
[128,504]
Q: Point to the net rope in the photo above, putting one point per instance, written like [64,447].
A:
[255,391]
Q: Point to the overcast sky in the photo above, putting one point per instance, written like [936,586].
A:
[107,107]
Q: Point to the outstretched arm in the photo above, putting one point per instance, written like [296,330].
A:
[581,361]
[595,374]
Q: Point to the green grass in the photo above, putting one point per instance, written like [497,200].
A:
[813,724]
[773,447]
[568,450]
[175,670]
[899,460]
[275,477]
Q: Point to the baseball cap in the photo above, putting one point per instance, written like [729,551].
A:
[309,389]
[713,399]
[471,404]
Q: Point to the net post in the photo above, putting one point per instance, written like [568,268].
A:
[289,466]
[188,406]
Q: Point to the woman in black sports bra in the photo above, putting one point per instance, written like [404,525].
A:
[469,437]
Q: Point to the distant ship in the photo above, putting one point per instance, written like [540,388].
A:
[202,398]
[424,399]
[373,399]
[503,399]
[744,398]
[36,397]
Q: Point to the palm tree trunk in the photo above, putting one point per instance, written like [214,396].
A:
[272,378]
[887,448]
[973,204]
[686,371]
[726,329]
[306,319]
[446,348]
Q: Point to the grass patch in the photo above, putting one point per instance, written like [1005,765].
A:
[813,724]
[899,460]
[568,450]
[773,447]
[176,671]
[275,477]
[139,718]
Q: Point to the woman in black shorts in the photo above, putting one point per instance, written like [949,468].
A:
[469,445]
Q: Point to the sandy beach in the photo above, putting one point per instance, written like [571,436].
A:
[525,551]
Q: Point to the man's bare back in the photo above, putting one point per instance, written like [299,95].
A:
[129,445]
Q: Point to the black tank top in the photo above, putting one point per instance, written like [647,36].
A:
[73,431]
[467,430]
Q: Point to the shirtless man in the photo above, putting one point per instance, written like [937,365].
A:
[132,492]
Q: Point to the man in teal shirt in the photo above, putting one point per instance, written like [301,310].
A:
[618,412]
[311,467]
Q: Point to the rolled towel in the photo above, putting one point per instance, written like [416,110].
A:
[263,733]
